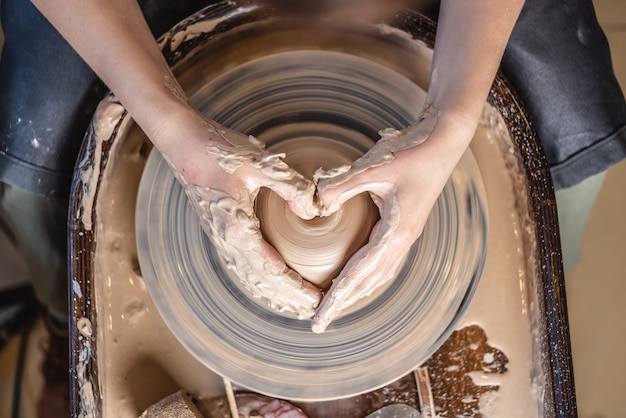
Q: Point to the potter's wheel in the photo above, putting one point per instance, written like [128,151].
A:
[326,105]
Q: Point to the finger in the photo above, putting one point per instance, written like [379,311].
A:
[333,193]
[261,168]
[301,197]
[340,184]
[265,275]
[366,174]
[368,269]
[299,192]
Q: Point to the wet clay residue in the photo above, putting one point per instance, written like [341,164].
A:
[466,351]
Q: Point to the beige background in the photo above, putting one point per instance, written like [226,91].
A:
[596,287]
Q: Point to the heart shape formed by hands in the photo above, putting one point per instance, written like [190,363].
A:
[353,236]
[323,244]
[208,310]
[319,248]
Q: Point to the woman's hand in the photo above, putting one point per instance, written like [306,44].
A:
[404,174]
[221,172]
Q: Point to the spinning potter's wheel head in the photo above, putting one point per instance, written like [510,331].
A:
[321,108]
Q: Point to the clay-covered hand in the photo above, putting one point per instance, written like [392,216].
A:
[404,174]
[221,172]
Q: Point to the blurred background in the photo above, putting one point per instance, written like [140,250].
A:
[596,286]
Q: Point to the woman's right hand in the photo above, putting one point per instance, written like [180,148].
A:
[221,171]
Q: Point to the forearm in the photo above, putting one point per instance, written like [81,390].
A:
[113,37]
[471,38]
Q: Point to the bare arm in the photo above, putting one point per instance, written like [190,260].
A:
[113,37]
[471,38]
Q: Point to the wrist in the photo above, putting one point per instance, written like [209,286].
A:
[451,135]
